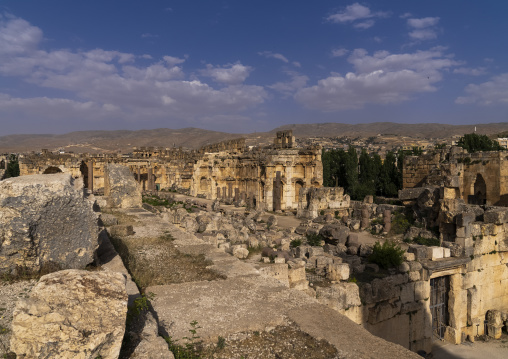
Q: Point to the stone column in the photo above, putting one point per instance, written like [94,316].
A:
[365,218]
[230,190]
[218,192]
[150,179]
[237,194]
[387,219]
[139,174]
[224,193]
[90,176]
[277,192]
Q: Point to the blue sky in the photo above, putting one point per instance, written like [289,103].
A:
[244,66]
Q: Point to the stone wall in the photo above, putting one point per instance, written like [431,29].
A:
[479,178]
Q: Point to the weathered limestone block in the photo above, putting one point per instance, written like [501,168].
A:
[404,267]
[496,216]
[296,276]
[240,252]
[338,271]
[121,230]
[45,220]
[353,240]
[189,223]
[383,311]
[365,250]
[271,221]
[495,319]
[108,219]
[72,314]
[335,233]
[278,271]
[339,296]
[434,252]
[414,276]
[152,346]
[407,293]
[120,187]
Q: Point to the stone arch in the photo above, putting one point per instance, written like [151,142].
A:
[203,184]
[51,170]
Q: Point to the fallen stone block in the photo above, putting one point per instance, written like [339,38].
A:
[72,314]
[46,221]
[120,188]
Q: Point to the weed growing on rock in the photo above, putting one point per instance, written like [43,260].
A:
[191,349]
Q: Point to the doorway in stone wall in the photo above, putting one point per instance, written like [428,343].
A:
[478,191]
[439,288]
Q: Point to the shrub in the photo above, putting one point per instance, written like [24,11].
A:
[313,239]
[387,255]
[295,243]
[400,223]
[427,241]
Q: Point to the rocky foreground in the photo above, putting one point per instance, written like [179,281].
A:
[195,296]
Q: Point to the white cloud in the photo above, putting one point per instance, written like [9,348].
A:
[110,84]
[297,64]
[17,36]
[355,12]
[470,71]
[364,24]
[423,22]
[406,15]
[232,74]
[424,28]
[339,52]
[491,92]
[171,60]
[381,78]
[423,34]
[270,54]
[288,88]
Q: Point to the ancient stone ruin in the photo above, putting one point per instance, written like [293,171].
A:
[277,249]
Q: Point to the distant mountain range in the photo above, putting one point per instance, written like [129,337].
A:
[193,138]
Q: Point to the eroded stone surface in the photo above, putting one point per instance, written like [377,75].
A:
[45,220]
[72,314]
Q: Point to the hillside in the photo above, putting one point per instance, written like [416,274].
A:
[192,138]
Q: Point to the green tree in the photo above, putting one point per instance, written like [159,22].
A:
[473,142]
[12,169]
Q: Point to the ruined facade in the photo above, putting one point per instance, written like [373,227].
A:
[269,178]
[478,178]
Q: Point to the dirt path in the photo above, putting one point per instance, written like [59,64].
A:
[493,349]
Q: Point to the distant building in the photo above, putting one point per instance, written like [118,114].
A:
[503,141]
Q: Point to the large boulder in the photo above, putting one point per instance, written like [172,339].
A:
[120,187]
[45,221]
[72,314]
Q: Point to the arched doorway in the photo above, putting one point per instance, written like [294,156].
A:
[51,170]
[480,190]
[298,186]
